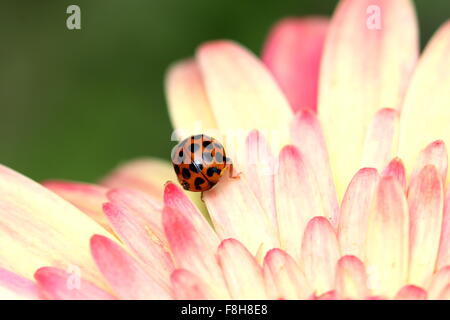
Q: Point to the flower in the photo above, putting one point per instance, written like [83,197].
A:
[353,129]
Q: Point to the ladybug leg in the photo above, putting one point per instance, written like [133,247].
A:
[232,174]
[201,196]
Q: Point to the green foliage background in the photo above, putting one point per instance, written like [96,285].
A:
[74,104]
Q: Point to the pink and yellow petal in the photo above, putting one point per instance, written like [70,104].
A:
[363,71]
[319,254]
[292,53]
[308,138]
[86,197]
[381,141]
[127,277]
[187,286]
[242,273]
[425,114]
[189,108]
[425,202]
[142,241]
[411,292]
[147,175]
[38,228]
[59,284]
[236,212]
[444,245]
[396,169]
[192,240]
[296,206]
[351,278]
[16,287]
[387,242]
[239,86]
[283,277]
[354,212]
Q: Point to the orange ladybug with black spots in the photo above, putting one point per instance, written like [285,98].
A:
[199,162]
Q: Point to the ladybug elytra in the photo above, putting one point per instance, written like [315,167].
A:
[199,162]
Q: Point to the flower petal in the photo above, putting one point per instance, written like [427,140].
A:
[411,292]
[386,257]
[61,285]
[126,276]
[147,175]
[282,272]
[189,109]
[351,278]
[193,242]
[320,253]
[439,282]
[396,169]
[425,202]
[363,71]
[86,197]
[425,114]
[354,215]
[39,228]
[435,154]
[236,212]
[238,86]
[381,140]
[243,275]
[445,294]
[16,287]
[308,138]
[292,52]
[444,246]
[295,206]
[140,207]
[260,170]
[143,242]
[187,286]
[330,295]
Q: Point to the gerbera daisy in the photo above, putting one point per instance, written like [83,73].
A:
[339,137]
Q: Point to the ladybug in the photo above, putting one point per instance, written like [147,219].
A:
[199,162]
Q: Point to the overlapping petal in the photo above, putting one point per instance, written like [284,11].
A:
[292,53]
[38,228]
[16,287]
[363,71]
[127,276]
[295,206]
[86,197]
[320,253]
[62,285]
[425,202]
[425,114]
[387,242]
[242,273]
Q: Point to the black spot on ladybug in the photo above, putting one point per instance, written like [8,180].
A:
[185,185]
[207,144]
[177,168]
[207,157]
[198,182]
[210,172]
[196,167]
[185,173]
[194,147]
[219,157]
[181,153]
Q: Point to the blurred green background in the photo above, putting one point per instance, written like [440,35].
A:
[74,104]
